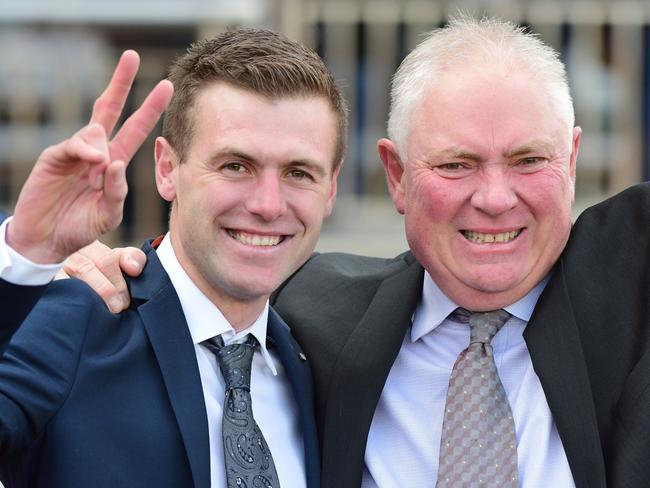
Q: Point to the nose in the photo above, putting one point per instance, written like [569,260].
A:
[495,194]
[266,199]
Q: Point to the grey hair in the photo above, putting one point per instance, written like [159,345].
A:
[464,41]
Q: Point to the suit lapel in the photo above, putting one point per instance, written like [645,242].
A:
[555,348]
[170,338]
[299,374]
[360,374]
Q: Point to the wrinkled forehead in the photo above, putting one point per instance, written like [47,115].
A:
[494,101]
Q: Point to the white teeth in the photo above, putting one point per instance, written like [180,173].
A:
[481,238]
[254,239]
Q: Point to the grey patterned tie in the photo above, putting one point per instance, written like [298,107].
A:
[247,456]
[478,447]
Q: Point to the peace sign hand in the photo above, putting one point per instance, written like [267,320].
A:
[76,191]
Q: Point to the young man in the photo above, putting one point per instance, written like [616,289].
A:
[252,143]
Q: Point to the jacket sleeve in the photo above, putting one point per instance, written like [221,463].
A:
[40,357]
[15,302]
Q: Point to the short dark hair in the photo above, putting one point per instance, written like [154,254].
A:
[257,60]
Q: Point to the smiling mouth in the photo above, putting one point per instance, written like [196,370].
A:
[255,239]
[482,238]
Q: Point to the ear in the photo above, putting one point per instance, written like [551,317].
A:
[575,148]
[332,195]
[394,171]
[166,164]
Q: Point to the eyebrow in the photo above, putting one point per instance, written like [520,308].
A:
[460,153]
[530,147]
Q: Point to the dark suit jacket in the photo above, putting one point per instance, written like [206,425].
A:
[588,339]
[92,399]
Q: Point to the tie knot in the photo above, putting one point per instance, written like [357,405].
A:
[483,325]
[234,360]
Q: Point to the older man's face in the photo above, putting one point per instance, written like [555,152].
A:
[487,186]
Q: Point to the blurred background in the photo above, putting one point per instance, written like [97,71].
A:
[57,55]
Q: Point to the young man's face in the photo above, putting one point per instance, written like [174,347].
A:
[252,193]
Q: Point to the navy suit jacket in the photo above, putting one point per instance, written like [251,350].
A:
[92,399]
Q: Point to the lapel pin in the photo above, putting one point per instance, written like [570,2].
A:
[302,356]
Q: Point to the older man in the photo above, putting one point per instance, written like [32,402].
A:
[481,162]
[490,354]
[162,394]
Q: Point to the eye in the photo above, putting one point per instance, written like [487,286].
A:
[453,170]
[451,166]
[530,164]
[298,174]
[235,167]
[531,160]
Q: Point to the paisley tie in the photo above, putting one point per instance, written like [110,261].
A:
[248,459]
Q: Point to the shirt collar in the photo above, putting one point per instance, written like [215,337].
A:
[436,306]
[204,319]
[523,308]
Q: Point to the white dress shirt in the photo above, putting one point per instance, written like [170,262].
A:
[404,439]
[274,407]
[16,269]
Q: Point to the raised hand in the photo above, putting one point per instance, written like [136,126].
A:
[76,191]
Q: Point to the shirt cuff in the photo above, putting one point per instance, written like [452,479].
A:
[19,270]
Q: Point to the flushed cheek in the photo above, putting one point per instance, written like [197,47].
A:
[433,225]
[552,186]
[428,200]
[429,223]
[551,210]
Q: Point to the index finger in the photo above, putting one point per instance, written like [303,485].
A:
[109,105]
